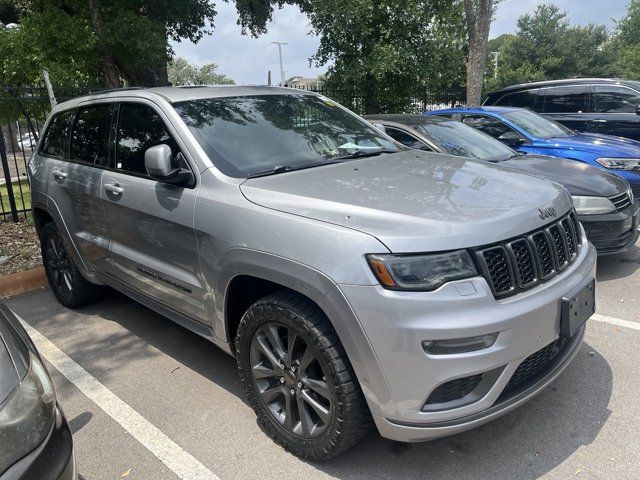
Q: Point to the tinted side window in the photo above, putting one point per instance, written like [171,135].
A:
[90,135]
[525,99]
[566,99]
[56,137]
[405,138]
[490,126]
[615,99]
[140,128]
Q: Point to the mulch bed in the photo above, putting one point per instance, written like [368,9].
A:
[20,242]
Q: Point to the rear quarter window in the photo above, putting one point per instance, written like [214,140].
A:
[56,138]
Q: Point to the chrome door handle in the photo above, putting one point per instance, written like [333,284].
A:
[599,120]
[59,173]
[113,188]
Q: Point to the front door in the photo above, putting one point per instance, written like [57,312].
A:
[153,243]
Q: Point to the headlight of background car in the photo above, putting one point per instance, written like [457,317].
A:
[620,163]
[27,416]
[593,205]
[421,272]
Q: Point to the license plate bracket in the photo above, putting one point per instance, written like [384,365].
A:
[577,306]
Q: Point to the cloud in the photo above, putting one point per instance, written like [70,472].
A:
[580,12]
[247,60]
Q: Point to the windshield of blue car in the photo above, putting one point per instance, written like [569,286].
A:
[247,136]
[456,138]
[536,125]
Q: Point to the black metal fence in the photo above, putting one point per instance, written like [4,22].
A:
[414,99]
[23,110]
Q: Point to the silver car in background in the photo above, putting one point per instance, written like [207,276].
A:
[353,280]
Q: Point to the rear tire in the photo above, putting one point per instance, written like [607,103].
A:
[298,378]
[66,282]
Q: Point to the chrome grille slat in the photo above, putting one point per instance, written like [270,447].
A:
[621,201]
[521,263]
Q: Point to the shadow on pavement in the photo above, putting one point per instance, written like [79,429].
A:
[524,444]
[618,266]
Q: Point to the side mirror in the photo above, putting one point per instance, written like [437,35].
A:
[511,138]
[157,161]
[380,127]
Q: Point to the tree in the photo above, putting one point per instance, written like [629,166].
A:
[385,51]
[128,40]
[546,46]
[627,42]
[478,14]
[182,72]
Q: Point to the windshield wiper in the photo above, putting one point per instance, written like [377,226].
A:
[288,168]
[362,154]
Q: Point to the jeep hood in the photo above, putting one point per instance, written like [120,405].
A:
[577,177]
[415,201]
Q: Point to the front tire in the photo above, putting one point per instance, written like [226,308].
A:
[66,282]
[298,378]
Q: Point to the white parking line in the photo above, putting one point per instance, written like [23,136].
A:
[166,450]
[616,321]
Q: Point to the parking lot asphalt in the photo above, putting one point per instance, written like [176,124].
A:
[186,416]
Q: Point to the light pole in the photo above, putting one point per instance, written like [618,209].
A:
[280,44]
[495,61]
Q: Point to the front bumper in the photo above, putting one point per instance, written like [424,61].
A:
[613,233]
[52,460]
[396,323]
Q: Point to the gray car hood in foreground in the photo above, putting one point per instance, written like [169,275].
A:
[579,178]
[415,201]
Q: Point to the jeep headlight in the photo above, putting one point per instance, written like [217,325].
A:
[27,416]
[619,163]
[592,205]
[421,272]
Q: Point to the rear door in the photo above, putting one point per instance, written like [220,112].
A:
[75,169]
[567,104]
[615,111]
[153,244]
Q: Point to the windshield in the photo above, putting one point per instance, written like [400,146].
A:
[537,125]
[457,138]
[250,135]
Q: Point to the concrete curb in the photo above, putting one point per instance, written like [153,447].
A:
[21,282]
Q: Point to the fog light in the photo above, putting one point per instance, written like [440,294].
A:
[459,345]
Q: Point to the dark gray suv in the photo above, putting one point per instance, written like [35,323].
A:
[597,105]
[354,280]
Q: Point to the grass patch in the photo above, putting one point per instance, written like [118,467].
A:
[23,202]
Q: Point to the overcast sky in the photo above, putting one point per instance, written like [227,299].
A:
[247,59]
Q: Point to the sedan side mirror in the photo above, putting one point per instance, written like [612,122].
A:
[157,161]
[380,127]
[511,138]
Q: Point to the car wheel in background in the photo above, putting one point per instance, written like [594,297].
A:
[67,283]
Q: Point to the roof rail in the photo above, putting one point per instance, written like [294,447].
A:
[108,90]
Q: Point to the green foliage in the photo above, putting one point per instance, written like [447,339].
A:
[182,72]
[627,42]
[384,51]
[547,46]
[54,40]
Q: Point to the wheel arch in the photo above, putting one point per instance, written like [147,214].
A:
[245,268]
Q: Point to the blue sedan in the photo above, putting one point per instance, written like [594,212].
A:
[529,132]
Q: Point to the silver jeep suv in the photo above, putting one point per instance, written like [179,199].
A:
[353,280]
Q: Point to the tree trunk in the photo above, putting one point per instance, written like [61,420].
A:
[478,15]
[109,69]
